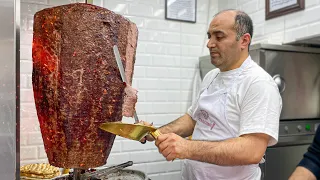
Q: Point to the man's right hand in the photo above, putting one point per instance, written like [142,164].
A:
[147,137]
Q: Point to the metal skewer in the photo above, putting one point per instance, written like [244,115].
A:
[89,1]
[76,174]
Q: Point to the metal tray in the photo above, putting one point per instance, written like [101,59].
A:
[125,174]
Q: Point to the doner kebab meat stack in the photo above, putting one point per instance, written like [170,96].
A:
[77,83]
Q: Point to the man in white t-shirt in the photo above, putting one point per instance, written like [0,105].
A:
[236,116]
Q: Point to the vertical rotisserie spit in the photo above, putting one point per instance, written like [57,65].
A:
[76,81]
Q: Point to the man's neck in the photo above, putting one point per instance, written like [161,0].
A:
[237,63]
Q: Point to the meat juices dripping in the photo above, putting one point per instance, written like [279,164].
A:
[76,81]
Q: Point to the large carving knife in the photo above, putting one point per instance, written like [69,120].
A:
[130,131]
[123,75]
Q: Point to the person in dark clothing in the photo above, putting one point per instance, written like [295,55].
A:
[309,166]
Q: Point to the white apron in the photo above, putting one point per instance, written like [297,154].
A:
[212,125]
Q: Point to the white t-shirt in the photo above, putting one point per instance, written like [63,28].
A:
[254,103]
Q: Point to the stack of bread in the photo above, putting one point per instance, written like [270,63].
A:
[39,171]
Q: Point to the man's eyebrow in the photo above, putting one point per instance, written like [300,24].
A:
[215,32]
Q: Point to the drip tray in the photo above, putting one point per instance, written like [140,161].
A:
[125,174]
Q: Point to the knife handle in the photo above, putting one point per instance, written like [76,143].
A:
[155,134]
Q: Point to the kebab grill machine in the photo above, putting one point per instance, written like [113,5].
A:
[78,86]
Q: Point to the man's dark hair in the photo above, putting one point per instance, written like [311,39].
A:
[243,23]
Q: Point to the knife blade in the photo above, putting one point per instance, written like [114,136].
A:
[123,75]
[130,131]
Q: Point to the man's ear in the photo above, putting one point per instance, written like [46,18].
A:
[245,40]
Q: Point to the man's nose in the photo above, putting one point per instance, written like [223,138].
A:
[211,43]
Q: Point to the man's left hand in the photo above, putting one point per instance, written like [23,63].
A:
[172,146]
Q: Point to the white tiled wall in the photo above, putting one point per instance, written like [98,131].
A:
[280,30]
[167,57]
[166,60]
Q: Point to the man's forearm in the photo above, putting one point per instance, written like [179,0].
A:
[231,152]
[182,126]
[302,173]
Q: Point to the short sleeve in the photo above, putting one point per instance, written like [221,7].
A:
[190,111]
[260,110]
